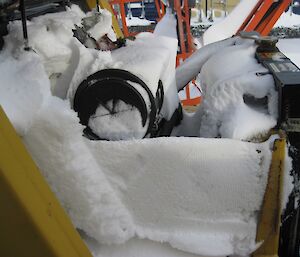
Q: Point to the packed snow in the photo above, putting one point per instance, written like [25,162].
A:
[117,125]
[177,196]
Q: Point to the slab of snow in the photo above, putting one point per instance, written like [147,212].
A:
[167,26]
[24,88]
[136,248]
[64,157]
[103,26]
[167,190]
[230,25]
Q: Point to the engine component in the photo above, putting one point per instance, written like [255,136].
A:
[112,93]
[287,81]
[81,33]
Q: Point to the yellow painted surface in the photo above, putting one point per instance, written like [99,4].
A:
[32,222]
[269,222]
[104,4]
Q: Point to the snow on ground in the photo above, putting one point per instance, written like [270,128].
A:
[136,21]
[288,19]
[198,195]
[290,47]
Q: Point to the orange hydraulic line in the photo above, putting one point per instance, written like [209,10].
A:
[162,8]
[187,91]
[258,16]
[265,28]
[191,47]
[188,28]
[158,9]
[180,25]
[264,24]
[193,101]
[123,17]
[250,16]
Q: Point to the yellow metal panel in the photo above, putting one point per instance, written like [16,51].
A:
[269,222]
[32,222]
[104,4]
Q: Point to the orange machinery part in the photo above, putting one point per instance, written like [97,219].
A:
[159,7]
[261,19]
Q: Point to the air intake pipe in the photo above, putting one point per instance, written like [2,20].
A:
[115,104]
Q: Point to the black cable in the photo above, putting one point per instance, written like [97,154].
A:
[24,24]
[98,8]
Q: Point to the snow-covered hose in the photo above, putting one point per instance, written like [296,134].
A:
[191,67]
[107,87]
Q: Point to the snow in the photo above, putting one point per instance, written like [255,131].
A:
[135,248]
[191,67]
[226,110]
[113,201]
[288,19]
[86,62]
[147,53]
[175,196]
[103,25]
[24,88]
[136,21]
[118,125]
[290,47]
[167,26]
[152,58]
[231,24]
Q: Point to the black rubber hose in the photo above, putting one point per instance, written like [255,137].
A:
[110,84]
